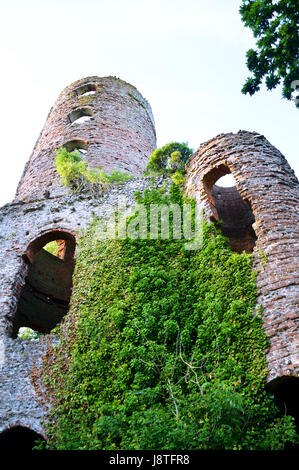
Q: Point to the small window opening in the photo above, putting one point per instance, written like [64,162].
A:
[76,145]
[81,120]
[88,89]
[80,115]
[228,206]
[88,93]
[19,437]
[45,297]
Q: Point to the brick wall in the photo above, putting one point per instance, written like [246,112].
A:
[265,180]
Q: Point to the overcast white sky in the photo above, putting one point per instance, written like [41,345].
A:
[187,58]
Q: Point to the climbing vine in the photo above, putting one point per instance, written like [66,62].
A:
[77,174]
[161,350]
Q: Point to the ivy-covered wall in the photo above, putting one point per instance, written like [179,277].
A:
[22,224]
[161,349]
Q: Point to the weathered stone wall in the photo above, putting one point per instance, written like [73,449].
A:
[268,184]
[119,136]
[19,402]
[21,224]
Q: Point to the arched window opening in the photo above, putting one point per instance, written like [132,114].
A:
[80,115]
[45,297]
[85,90]
[19,437]
[76,145]
[286,392]
[228,206]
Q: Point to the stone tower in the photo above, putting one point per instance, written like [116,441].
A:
[111,124]
[106,119]
[260,215]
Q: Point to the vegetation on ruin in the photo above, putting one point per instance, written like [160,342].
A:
[161,349]
[28,333]
[76,173]
[263,257]
[276,58]
[170,160]
[52,248]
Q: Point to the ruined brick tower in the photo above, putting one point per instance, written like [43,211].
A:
[111,124]
[118,133]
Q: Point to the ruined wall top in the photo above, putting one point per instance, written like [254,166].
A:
[106,119]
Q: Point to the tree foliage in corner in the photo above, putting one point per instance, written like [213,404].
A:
[275,25]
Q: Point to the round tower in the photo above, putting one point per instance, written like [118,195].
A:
[259,215]
[106,119]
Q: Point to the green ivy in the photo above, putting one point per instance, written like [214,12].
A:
[76,173]
[161,350]
[263,257]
